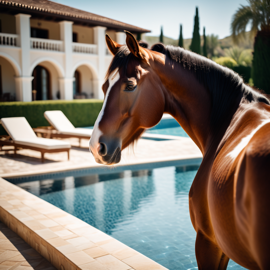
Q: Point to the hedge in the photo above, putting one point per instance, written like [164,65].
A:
[81,113]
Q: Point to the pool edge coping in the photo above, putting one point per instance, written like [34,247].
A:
[31,218]
[103,169]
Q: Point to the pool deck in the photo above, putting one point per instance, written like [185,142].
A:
[146,154]
[63,240]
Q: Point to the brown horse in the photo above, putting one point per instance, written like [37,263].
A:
[229,199]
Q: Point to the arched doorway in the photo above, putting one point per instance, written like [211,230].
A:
[7,80]
[41,84]
[83,83]
[77,84]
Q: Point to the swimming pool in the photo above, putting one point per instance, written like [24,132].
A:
[166,126]
[147,210]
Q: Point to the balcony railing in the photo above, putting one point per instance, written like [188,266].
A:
[8,39]
[84,48]
[46,44]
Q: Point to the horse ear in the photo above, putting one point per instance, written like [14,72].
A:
[112,45]
[135,48]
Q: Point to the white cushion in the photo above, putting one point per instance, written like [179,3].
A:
[43,143]
[58,120]
[18,128]
[78,132]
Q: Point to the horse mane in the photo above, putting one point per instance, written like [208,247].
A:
[224,84]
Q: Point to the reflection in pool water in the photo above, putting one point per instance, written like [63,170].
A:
[146,210]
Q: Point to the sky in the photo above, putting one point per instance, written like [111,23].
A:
[215,15]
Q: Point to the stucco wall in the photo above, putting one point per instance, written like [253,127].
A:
[8,76]
[52,27]
[8,23]
[84,34]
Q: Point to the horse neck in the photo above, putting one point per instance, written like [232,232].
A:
[187,101]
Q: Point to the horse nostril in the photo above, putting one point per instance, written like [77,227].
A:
[102,149]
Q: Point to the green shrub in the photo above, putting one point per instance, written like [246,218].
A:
[226,62]
[244,72]
[241,56]
[81,113]
[261,61]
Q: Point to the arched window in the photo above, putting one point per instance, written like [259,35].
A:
[41,84]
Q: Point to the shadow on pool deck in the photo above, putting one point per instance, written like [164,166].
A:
[16,254]
[146,151]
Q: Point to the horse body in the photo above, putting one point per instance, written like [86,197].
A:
[229,198]
[226,199]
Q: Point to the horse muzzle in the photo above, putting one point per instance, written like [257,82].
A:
[107,151]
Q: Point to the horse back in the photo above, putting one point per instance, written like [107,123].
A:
[239,189]
[252,196]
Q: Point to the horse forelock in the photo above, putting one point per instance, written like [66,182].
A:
[119,60]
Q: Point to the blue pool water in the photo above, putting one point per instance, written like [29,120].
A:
[174,131]
[168,126]
[147,210]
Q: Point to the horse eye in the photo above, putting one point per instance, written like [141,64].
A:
[130,88]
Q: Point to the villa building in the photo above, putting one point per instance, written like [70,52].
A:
[52,51]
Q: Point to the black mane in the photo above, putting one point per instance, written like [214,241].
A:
[224,84]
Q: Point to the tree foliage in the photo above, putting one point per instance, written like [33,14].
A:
[261,61]
[181,40]
[204,49]
[161,35]
[257,13]
[211,45]
[196,39]
[241,56]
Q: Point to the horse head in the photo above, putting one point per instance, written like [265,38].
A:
[133,102]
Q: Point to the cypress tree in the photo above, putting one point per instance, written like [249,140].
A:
[161,35]
[180,40]
[204,43]
[261,60]
[139,36]
[196,39]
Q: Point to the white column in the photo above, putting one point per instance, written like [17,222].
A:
[66,83]
[23,83]
[99,40]
[121,38]
[66,88]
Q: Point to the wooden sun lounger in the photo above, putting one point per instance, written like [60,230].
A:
[22,136]
[64,128]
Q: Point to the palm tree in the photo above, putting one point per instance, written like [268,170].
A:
[258,14]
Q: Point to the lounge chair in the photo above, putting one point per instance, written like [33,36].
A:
[23,136]
[64,127]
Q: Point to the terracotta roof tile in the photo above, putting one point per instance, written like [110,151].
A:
[46,6]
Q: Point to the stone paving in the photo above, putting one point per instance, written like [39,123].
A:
[66,241]
[29,162]
[17,254]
